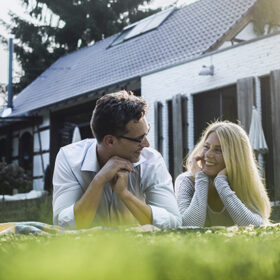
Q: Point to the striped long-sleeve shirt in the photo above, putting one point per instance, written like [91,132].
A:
[192,196]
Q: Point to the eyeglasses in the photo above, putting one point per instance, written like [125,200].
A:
[138,140]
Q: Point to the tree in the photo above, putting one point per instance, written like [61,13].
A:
[266,13]
[3,95]
[79,23]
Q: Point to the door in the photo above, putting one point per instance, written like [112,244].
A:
[220,104]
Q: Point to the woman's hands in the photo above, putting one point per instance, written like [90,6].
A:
[195,168]
[223,172]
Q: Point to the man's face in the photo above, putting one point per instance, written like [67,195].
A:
[130,145]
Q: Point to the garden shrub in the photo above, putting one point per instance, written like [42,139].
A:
[12,176]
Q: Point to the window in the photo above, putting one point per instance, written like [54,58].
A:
[218,104]
[26,153]
[142,26]
[3,150]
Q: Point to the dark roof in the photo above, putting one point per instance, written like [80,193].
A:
[17,121]
[187,33]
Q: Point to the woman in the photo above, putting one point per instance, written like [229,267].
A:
[222,186]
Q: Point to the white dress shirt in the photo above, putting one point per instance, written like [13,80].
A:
[77,164]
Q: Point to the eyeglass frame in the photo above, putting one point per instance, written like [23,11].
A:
[135,139]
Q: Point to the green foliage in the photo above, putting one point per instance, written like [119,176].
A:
[266,12]
[36,209]
[45,212]
[80,22]
[41,211]
[13,176]
[225,253]
[3,95]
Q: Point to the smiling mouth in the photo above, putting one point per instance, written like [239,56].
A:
[208,163]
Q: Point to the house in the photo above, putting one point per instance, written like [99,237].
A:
[161,58]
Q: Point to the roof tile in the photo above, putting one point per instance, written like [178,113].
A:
[187,33]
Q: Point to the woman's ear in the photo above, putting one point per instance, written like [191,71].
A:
[109,140]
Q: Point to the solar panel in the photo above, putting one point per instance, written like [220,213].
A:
[142,26]
[149,23]
[157,20]
[137,29]
[121,37]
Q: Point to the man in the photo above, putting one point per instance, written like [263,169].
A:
[115,178]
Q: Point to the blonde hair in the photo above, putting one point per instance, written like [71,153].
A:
[241,165]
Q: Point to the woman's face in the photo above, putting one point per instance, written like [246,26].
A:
[212,156]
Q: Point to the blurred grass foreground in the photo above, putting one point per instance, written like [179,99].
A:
[213,253]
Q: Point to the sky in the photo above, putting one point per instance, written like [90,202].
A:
[14,6]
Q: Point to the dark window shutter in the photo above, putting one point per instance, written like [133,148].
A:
[158,126]
[185,125]
[180,135]
[245,101]
[275,119]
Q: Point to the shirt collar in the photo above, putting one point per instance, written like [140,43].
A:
[141,160]
[90,162]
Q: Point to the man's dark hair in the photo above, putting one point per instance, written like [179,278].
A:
[113,111]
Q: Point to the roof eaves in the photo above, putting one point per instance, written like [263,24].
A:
[94,93]
[233,30]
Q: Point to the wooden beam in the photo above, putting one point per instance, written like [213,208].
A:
[237,40]
[228,36]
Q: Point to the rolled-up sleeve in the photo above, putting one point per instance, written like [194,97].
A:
[67,191]
[160,194]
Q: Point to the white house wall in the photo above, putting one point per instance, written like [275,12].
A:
[256,58]
[46,120]
[15,161]
[45,140]
[38,184]
[247,33]
[15,150]
[40,163]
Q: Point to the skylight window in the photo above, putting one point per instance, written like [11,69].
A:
[142,26]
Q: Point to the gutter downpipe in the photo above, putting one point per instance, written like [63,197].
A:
[10,83]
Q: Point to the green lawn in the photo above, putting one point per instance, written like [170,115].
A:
[232,253]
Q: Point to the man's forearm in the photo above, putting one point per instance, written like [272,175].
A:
[140,210]
[85,208]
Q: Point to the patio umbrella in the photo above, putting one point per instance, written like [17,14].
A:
[257,138]
[76,135]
